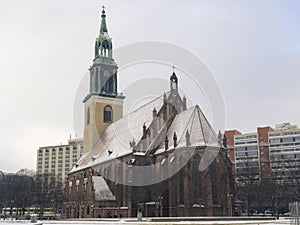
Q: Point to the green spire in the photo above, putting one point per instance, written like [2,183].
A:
[103,44]
[103,27]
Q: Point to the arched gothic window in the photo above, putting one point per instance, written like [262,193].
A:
[181,181]
[197,182]
[107,114]
[88,210]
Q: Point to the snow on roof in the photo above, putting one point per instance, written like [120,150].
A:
[115,140]
[117,136]
[102,191]
[193,120]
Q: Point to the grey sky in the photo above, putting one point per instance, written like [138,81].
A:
[46,47]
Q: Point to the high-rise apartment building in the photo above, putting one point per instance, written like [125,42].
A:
[266,153]
[58,160]
[246,156]
[285,152]
[249,154]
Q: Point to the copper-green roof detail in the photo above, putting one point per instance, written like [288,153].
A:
[103,43]
[103,27]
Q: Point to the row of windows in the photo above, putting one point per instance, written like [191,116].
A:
[245,142]
[246,148]
[287,173]
[284,145]
[291,149]
[284,133]
[247,164]
[286,156]
[53,166]
[251,153]
[60,157]
[252,170]
[246,137]
[67,149]
[285,140]
[243,158]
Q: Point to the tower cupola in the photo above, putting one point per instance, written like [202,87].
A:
[103,43]
[173,83]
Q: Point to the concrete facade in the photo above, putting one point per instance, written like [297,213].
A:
[59,159]
[285,152]
[266,153]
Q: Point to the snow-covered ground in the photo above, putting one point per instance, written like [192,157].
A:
[282,221]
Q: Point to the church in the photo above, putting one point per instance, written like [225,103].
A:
[162,159]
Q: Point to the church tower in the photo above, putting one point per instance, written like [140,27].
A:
[102,105]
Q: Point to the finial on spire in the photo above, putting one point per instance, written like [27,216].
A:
[103,27]
[173,68]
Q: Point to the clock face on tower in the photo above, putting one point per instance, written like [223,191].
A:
[106,73]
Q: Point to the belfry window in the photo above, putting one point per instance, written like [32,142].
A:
[174,85]
[108,114]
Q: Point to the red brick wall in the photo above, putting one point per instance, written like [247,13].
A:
[264,151]
[230,145]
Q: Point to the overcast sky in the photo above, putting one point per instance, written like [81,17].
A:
[46,47]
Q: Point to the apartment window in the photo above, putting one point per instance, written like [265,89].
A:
[252,148]
[252,154]
[238,154]
[287,139]
[297,156]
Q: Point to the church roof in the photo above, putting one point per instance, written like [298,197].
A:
[115,140]
[118,135]
[193,121]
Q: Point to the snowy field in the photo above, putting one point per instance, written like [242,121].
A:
[129,222]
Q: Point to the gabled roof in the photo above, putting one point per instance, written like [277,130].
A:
[193,120]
